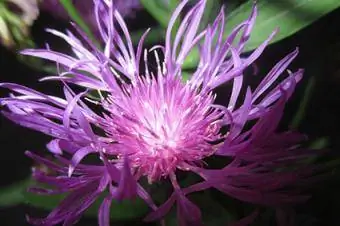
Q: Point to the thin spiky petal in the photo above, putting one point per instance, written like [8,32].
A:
[150,124]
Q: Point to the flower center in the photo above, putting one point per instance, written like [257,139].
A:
[162,123]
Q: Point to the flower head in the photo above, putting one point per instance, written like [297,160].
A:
[149,123]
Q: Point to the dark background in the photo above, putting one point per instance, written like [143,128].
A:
[319,54]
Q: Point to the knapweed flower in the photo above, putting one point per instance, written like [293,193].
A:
[149,123]
[85,8]
[16,18]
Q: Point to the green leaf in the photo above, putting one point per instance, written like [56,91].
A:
[155,34]
[13,194]
[213,213]
[319,143]
[300,114]
[42,201]
[17,194]
[125,210]
[186,76]
[75,16]
[211,9]
[192,59]
[160,10]
[121,211]
[289,16]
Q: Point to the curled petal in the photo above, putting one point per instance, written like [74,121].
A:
[54,147]
[77,157]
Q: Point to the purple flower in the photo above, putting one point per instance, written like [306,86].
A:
[151,124]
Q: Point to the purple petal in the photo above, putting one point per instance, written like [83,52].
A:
[240,121]
[127,187]
[104,212]
[78,156]
[162,210]
[188,214]
[54,147]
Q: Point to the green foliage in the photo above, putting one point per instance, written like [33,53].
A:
[160,10]
[75,16]
[289,16]
[213,213]
[13,194]
[17,194]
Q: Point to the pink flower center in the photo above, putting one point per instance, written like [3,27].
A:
[163,123]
